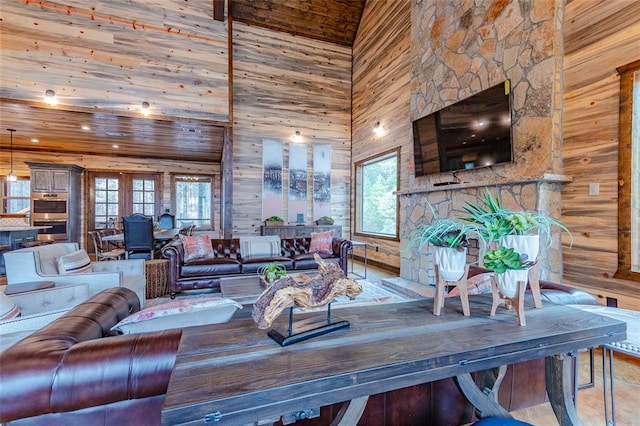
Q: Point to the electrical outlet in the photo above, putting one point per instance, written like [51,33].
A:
[594,188]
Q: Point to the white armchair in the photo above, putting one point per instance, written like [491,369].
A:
[41,264]
[37,309]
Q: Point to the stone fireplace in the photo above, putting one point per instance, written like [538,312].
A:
[461,47]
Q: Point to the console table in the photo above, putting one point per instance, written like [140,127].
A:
[290,231]
[233,373]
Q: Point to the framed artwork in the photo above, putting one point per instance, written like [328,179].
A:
[321,181]
[271,178]
[297,183]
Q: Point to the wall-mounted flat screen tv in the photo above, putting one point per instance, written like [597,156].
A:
[472,133]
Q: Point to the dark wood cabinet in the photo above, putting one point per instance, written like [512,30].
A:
[289,231]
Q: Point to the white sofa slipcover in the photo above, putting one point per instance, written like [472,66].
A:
[40,263]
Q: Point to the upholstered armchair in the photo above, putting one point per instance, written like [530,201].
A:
[41,263]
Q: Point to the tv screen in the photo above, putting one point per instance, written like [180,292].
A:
[472,133]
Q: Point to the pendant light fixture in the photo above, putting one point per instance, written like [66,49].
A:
[11,177]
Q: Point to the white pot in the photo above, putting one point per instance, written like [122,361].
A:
[508,281]
[523,244]
[451,262]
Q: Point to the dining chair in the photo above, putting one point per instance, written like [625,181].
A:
[167,221]
[138,236]
[100,251]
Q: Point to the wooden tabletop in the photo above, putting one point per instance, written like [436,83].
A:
[235,374]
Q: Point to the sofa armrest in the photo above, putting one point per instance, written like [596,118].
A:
[341,248]
[174,252]
[133,274]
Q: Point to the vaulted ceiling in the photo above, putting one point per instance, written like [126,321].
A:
[90,132]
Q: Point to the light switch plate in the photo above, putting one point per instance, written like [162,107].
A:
[594,188]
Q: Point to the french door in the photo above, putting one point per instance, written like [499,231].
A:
[112,196]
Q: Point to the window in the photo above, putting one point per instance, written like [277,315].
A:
[106,206]
[15,196]
[376,199]
[144,199]
[193,195]
[115,195]
[629,174]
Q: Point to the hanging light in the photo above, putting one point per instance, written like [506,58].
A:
[11,177]
[297,137]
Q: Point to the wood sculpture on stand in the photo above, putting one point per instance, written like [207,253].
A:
[305,292]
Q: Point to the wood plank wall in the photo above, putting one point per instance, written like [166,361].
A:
[381,93]
[283,84]
[599,37]
[113,54]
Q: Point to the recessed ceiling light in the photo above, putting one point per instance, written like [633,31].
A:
[115,146]
[35,140]
[85,127]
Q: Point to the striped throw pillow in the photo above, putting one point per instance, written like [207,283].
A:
[77,262]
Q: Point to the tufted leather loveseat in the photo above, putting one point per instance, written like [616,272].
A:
[74,372]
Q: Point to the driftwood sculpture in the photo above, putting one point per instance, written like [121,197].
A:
[306,293]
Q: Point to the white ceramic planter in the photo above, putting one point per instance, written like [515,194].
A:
[451,262]
[523,244]
[508,281]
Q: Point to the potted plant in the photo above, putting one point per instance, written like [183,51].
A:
[450,238]
[272,271]
[324,220]
[509,267]
[274,221]
[521,230]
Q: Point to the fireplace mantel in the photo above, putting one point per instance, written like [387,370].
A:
[547,178]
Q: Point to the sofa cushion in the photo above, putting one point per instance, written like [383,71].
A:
[250,266]
[218,266]
[260,247]
[8,307]
[181,312]
[77,262]
[321,242]
[197,247]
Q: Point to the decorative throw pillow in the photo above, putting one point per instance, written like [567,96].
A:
[321,242]
[193,311]
[267,246]
[197,247]
[76,262]
[8,307]
[478,284]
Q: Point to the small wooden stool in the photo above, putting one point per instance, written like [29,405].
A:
[438,301]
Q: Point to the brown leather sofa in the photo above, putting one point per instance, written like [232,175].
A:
[228,261]
[74,372]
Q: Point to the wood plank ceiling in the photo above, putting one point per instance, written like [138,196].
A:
[61,131]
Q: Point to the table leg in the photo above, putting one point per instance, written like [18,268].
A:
[485,404]
[558,374]
[350,412]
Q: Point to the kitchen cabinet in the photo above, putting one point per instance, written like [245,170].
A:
[43,180]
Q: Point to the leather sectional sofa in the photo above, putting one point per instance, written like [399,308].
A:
[74,372]
[228,261]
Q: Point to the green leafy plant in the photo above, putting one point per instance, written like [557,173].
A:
[272,271]
[444,232]
[325,218]
[274,219]
[498,221]
[501,259]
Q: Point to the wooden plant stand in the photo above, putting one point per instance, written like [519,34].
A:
[517,300]
[441,285]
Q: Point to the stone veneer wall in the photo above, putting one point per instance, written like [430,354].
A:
[462,47]
[541,195]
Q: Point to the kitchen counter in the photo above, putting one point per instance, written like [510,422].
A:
[21,228]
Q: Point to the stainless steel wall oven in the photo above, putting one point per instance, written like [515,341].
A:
[50,210]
